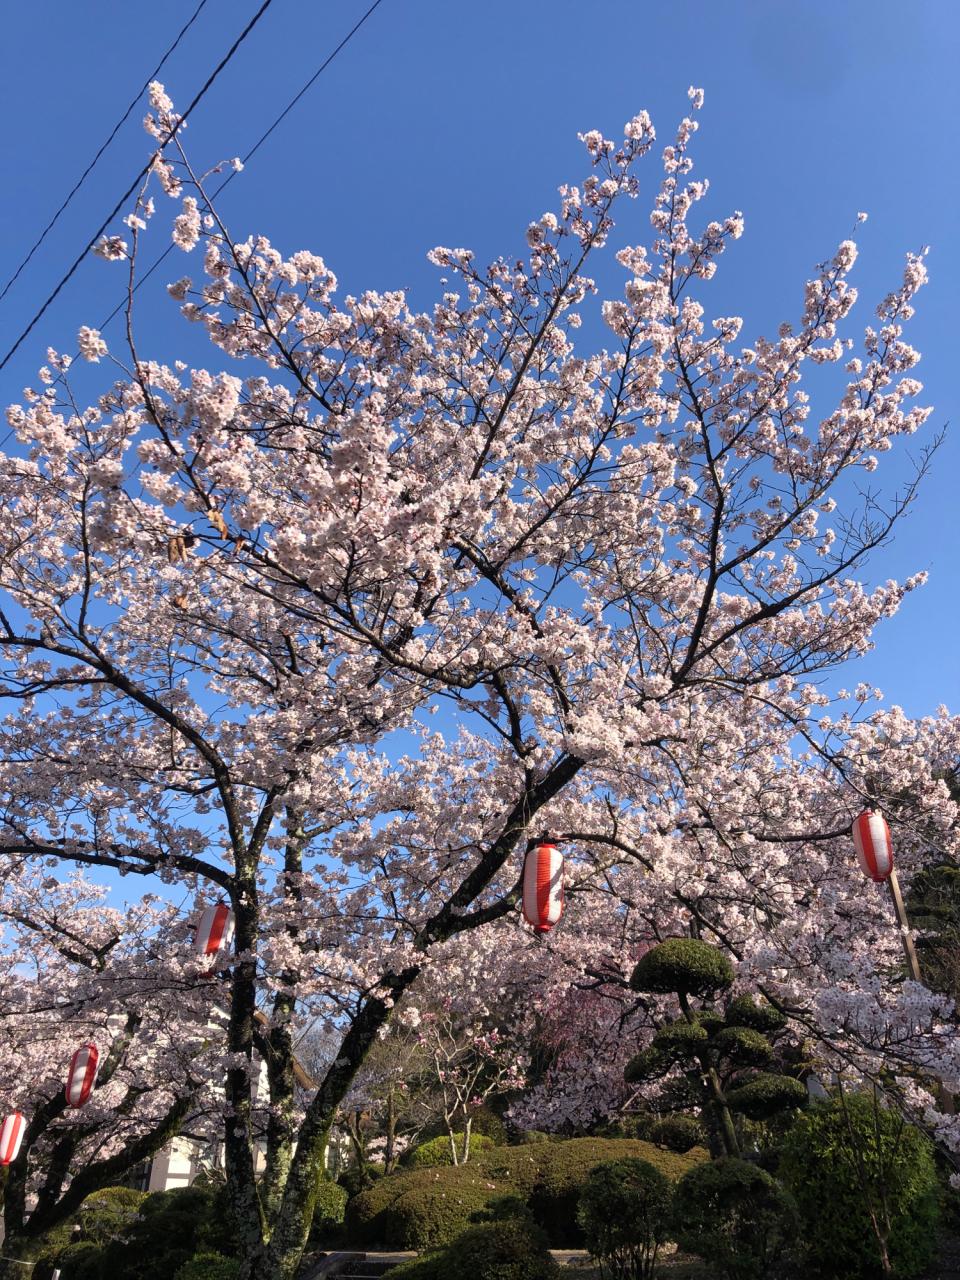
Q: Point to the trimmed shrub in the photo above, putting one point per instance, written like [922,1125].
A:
[743,1046]
[624,1213]
[356,1180]
[683,966]
[426,1267]
[429,1155]
[170,1228]
[678,1133]
[679,1040]
[710,1020]
[736,1216]
[488,1124]
[82,1261]
[744,1011]
[209,1266]
[822,1161]
[107,1214]
[509,1250]
[563,1170]
[331,1203]
[331,1206]
[532,1135]
[766,1094]
[425,1208]
[648,1064]
[504,1209]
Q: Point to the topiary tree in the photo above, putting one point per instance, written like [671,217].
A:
[736,1215]
[624,1212]
[720,1052]
[866,1186]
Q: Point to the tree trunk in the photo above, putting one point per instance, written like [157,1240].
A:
[18,1258]
[727,1128]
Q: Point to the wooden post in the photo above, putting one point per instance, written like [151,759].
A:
[906,937]
[945,1098]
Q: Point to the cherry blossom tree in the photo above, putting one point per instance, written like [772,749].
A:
[76,971]
[233,598]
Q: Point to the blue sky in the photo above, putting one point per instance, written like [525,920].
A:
[454,124]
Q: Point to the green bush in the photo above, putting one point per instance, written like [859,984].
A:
[744,1011]
[532,1135]
[356,1180]
[684,966]
[426,1267]
[679,1041]
[624,1212]
[509,1250]
[329,1210]
[742,1046]
[428,1155]
[209,1266]
[426,1208]
[648,1064]
[766,1094]
[678,1133]
[170,1228]
[736,1216]
[824,1157]
[81,1261]
[504,1209]
[331,1203]
[107,1214]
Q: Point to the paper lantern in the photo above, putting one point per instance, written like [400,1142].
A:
[871,839]
[215,930]
[543,886]
[11,1135]
[82,1075]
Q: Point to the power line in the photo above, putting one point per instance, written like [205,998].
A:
[140,176]
[116,129]
[245,159]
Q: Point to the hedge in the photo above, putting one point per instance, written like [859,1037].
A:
[426,1208]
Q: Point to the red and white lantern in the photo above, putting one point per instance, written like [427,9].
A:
[82,1075]
[11,1135]
[543,886]
[871,839]
[215,930]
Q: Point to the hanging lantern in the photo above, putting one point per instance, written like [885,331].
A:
[11,1135]
[543,886]
[82,1075]
[215,930]
[871,838]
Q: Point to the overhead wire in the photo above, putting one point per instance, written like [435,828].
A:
[103,146]
[245,159]
[133,186]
